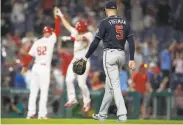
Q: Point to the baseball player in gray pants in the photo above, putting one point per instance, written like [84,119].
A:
[114,31]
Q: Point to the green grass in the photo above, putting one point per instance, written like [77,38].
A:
[84,121]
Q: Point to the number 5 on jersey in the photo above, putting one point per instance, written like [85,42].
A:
[119,31]
[41,50]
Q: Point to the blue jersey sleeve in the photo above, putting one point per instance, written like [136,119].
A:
[101,30]
[129,31]
[92,47]
[131,43]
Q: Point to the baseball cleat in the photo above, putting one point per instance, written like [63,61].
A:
[70,103]
[98,117]
[122,118]
[43,117]
[86,107]
[31,117]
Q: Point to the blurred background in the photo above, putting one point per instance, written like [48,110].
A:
[153,90]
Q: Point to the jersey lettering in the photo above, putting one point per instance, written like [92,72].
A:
[41,50]
[119,31]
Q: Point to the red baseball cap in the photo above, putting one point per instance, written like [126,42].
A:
[81,26]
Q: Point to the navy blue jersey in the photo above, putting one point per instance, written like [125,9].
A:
[114,32]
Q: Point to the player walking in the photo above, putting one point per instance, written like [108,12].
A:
[114,31]
[82,39]
[42,51]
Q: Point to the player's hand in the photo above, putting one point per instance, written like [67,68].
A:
[131,65]
[85,59]
[24,69]
[59,13]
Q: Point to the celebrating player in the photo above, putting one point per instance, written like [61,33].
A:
[114,31]
[82,39]
[42,51]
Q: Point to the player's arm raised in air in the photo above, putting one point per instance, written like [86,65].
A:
[66,24]
[57,22]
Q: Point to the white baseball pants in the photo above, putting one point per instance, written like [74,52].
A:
[70,77]
[40,81]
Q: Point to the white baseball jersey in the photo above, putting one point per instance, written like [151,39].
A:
[42,50]
[81,47]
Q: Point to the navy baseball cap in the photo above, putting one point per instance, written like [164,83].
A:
[111,4]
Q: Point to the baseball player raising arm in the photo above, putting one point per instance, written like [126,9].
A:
[41,51]
[114,31]
[82,39]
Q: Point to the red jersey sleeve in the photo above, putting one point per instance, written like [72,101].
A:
[57,26]
[27,59]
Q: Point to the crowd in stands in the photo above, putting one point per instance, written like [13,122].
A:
[158,39]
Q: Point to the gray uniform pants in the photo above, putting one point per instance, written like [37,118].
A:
[113,60]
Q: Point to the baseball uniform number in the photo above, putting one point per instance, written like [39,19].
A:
[119,31]
[41,50]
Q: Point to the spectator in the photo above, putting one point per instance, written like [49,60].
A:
[165,63]
[163,31]
[97,69]
[17,38]
[59,78]
[11,78]
[178,66]
[154,76]
[5,25]
[28,77]
[39,20]
[18,16]
[140,80]
[178,63]
[138,57]
[29,38]
[163,12]
[149,18]
[124,81]
[149,52]
[9,48]
[140,84]
[56,87]
[16,107]
[179,100]
[137,17]
[66,58]
[19,79]
[96,82]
